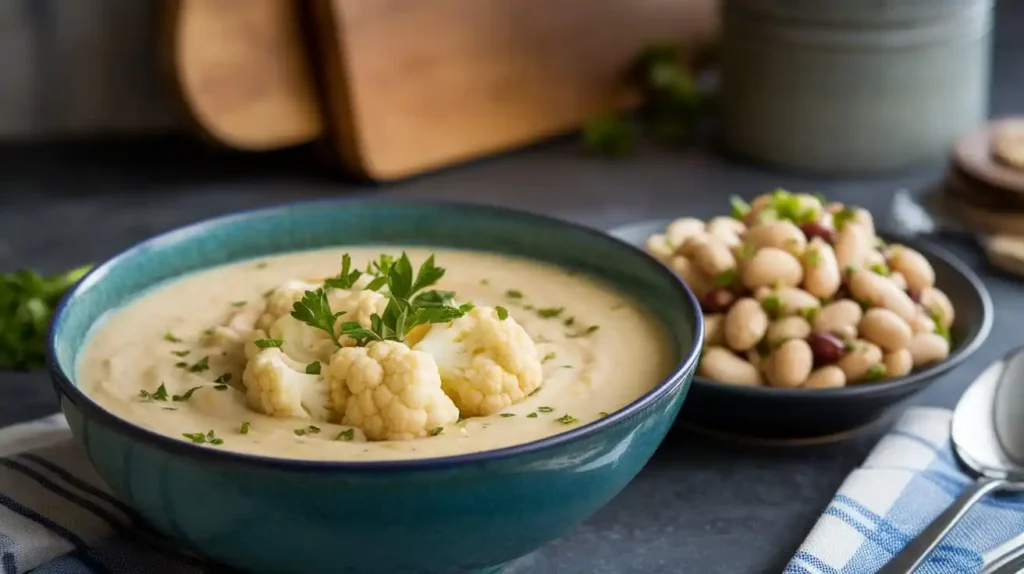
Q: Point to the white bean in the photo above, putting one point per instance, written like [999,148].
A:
[754,358]
[885,329]
[789,301]
[714,329]
[878,291]
[725,225]
[822,276]
[792,327]
[778,234]
[745,324]
[846,332]
[792,363]
[829,377]
[853,245]
[899,280]
[759,204]
[860,361]
[863,218]
[927,348]
[719,364]
[682,229]
[913,266]
[898,363]
[688,271]
[692,243]
[922,323]
[838,317]
[938,305]
[771,266]
[714,258]
[874,260]
[658,246]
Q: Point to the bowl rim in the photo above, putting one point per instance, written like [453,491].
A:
[931,250]
[64,386]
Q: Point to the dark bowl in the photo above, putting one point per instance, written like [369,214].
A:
[457,514]
[801,415]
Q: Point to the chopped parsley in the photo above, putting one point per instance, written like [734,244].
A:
[308,430]
[346,435]
[181,353]
[169,408]
[197,367]
[160,394]
[238,303]
[602,414]
[584,332]
[313,368]
[568,322]
[506,415]
[169,336]
[772,305]
[842,217]
[848,346]
[550,312]
[502,312]
[864,305]
[267,343]
[813,257]
[186,396]
[208,332]
[262,265]
[738,208]
[881,269]
[568,419]
[809,313]
[545,410]
[514,294]
[244,429]
[875,372]
[220,387]
[436,431]
[849,269]
[200,438]
[938,317]
[224,378]
[347,278]
[531,416]
[548,357]
[313,429]
[746,252]
[726,278]
[485,281]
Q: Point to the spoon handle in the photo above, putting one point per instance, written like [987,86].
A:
[911,557]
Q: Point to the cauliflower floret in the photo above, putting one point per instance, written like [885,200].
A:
[300,341]
[281,301]
[357,305]
[487,364]
[277,386]
[389,391]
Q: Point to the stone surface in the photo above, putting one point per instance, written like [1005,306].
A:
[701,505]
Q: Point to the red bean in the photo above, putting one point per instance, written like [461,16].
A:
[915,296]
[718,300]
[816,229]
[827,348]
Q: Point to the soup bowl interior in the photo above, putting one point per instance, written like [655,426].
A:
[816,414]
[464,513]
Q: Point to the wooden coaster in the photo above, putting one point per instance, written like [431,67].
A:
[1008,144]
[974,154]
[963,202]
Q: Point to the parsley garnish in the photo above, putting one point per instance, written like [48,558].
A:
[160,394]
[568,419]
[347,278]
[506,415]
[739,208]
[224,378]
[313,429]
[262,265]
[864,305]
[313,368]
[875,372]
[813,257]
[502,312]
[200,438]
[180,353]
[186,396]
[199,366]
[938,317]
[531,416]
[220,387]
[169,409]
[169,336]
[881,269]
[268,343]
[550,312]
[314,310]
[545,409]
[237,303]
[726,278]
[485,281]
[436,431]
[299,432]
[584,332]
[602,414]
[548,357]
[346,435]
[568,322]
[244,429]
[842,217]
[809,313]
[514,294]
[772,305]
[746,252]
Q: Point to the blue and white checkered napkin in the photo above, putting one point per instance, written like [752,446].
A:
[907,480]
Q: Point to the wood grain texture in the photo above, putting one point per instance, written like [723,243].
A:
[412,85]
[242,70]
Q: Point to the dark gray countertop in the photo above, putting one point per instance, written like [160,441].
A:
[701,505]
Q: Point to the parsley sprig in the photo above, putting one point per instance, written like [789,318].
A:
[409,303]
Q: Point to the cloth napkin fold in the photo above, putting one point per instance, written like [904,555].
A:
[909,478]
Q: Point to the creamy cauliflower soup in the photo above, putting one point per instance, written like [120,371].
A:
[373,353]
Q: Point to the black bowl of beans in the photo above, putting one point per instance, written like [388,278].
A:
[815,324]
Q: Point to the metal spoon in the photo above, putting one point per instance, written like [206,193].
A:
[988,439]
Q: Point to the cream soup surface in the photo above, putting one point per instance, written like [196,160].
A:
[133,349]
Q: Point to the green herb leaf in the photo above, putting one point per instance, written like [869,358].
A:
[568,322]
[550,312]
[171,337]
[813,258]
[608,135]
[160,394]
[875,372]
[514,294]
[809,313]
[299,432]
[244,429]
[436,431]
[938,317]
[502,312]
[848,346]
[313,368]
[739,208]
[200,438]
[864,305]
[548,357]
[545,410]
[568,419]
[506,415]
[842,217]
[726,278]
[262,265]
[584,332]
[169,408]
[746,252]
[313,429]
[238,303]
[531,416]
[434,298]
[220,387]
[346,435]
[314,310]
[268,343]
[199,366]
[602,414]
[772,305]
[224,378]
[881,269]
[347,278]
[180,353]
[186,396]
[850,269]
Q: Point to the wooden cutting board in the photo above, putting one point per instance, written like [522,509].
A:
[411,85]
[242,71]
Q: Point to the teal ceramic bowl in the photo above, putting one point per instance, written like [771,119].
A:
[467,513]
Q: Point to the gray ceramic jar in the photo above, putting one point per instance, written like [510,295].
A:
[852,86]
